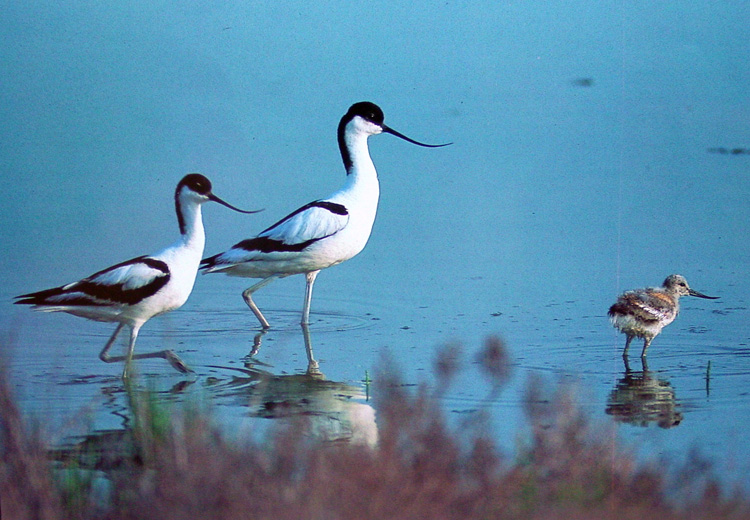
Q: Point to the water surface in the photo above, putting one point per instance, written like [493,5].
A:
[584,163]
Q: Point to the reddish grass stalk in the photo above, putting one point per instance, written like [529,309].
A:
[420,468]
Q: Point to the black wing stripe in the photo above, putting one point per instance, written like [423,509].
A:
[269,245]
[93,293]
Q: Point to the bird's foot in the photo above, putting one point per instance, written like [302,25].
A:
[176,362]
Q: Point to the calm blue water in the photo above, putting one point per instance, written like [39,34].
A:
[584,163]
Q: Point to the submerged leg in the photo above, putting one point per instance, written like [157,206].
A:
[313,368]
[627,365]
[247,294]
[646,343]
[627,346]
[308,296]
[168,355]
[131,346]
[257,342]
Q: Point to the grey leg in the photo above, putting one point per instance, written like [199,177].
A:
[247,294]
[103,355]
[646,343]
[168,355]
[310,277]
[313,368]
[627,346]
[131,346]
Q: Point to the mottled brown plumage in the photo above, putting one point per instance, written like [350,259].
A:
[644,312]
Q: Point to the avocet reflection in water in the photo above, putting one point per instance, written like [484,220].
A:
[327,410]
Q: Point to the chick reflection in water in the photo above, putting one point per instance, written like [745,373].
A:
[640,398]
[332,411]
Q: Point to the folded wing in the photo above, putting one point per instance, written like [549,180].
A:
[292,234]
[126,283]
[645,305]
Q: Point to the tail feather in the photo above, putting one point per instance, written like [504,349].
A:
[39,297]
[209,262]
[619,308]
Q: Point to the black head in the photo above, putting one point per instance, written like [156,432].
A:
[201,186]
[366,110]
[195,182]
[371,113]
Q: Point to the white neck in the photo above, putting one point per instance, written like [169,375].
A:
[361,175]
[359,152]
[193,234]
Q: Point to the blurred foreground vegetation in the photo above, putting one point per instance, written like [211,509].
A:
[176,464]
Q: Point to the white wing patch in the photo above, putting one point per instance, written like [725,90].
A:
[313,223]
[128,277]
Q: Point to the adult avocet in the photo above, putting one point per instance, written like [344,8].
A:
[322,233]
[644,312]
[132,292]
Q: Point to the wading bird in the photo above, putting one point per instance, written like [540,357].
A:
[644,312]
[322,233]
[132,292]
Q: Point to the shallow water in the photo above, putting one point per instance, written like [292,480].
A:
[582,165]
[59,377]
